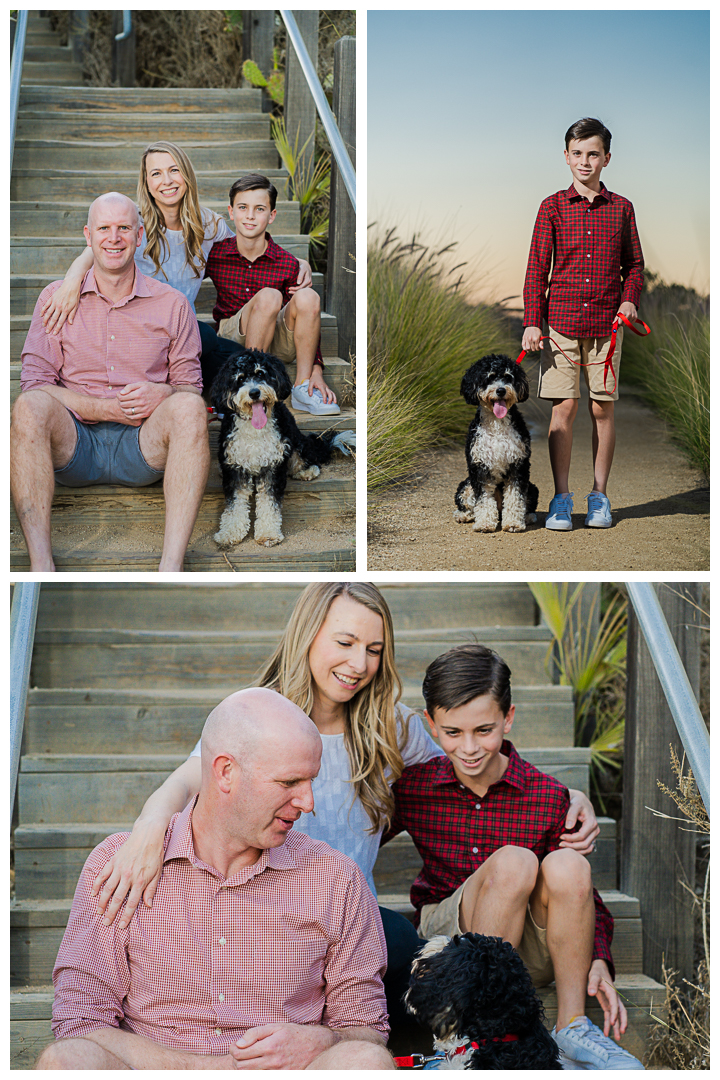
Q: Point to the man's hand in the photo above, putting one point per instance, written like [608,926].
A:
[140,400]
[304,278]
[582,841]
[317,381]
[600,986]
[281,1046]
[629,311]
[532,339]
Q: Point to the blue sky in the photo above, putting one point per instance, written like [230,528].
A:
[467,112]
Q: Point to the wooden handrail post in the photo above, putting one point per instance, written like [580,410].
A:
[258,29]
[341,268]
[658,853]
[123,53]
[299,104]
[78,37]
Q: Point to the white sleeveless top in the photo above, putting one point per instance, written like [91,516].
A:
[174,264]
[341,822]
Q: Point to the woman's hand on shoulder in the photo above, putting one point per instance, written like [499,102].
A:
[133,872]
[60,307]
[582,841]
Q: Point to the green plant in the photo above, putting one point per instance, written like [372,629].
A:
[309,181]
[274,84]
[422,336]
[593,663]
[672,365]
[397,422]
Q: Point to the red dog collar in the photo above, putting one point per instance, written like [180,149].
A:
[611,351]
[418,1061]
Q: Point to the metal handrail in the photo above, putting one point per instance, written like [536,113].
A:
[23,617]
[675,683]
[16,67]
[327,119]
[127,26]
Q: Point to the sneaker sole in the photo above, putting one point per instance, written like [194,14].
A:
[559,528]
[598,524]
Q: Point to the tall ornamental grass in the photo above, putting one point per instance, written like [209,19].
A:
[672,365]
[422,337]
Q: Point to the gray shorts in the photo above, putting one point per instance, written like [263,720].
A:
[107,453]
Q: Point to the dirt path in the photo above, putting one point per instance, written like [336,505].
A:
[661,509]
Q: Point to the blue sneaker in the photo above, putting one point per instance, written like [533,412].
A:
[599,515]
[558,516]
[584,1043]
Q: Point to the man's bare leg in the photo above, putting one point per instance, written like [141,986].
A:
[495,897]
[563,902]
[258,318]
[78,1054]
[354,1054]
[175,438]
[602,414]
[42,438]
[560,440]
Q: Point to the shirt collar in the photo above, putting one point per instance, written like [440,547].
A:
[514,774]
[573,194]
[139,286]
[180,846]
[271,252]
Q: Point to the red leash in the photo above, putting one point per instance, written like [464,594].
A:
[418,1061]
[611,351]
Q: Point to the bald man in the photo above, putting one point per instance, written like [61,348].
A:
[113,398]
[263,949]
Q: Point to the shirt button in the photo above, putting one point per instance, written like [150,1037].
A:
[112,337]
[222,939]
[221,997]
[112,367]
[218,1031]
[587,278]
[584,305]
[475,851]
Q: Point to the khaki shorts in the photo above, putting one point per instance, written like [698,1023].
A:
[283,342]
[559,378]
[444,918]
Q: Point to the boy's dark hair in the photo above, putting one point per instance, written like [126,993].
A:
[464,673]
[586,129]
[251,182]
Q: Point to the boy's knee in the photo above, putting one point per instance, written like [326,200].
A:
[513,869]
[566,870]
[565,409]
[306,301]
[268,299]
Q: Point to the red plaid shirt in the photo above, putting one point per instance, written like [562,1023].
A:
[294,938]
[597,263]
[456,830]
[237,279]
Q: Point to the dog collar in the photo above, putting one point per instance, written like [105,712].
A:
[419,1061]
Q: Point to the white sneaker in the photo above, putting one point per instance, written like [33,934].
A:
[302,401]
[585,1044]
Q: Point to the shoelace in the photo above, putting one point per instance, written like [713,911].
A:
[564,504]
[594,1034]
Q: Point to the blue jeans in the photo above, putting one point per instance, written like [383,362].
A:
[215,351]
[402,945]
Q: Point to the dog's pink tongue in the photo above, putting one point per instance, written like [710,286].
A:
[259,416]
[500,410]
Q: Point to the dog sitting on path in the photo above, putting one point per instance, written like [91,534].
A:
[475,995]
[260,446]
[497,449]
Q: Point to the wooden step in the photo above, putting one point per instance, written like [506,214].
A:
[40,38]
[176,127]
[31,1009]
[460,604]
[238,154]
[59,73]
[50,53]
[38,218]
[83,185]
[125,100]
[312,551]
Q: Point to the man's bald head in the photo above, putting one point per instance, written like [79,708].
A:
[112,200]
[253,720]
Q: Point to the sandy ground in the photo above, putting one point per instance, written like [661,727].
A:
[661,509]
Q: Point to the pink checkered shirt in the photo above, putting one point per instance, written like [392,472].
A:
[149,336]
[295,938]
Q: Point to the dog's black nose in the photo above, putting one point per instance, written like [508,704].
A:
[255,394]
[500,392]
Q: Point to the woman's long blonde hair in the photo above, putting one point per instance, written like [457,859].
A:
[191,219]
[371,732]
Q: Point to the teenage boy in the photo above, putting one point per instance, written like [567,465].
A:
[253,277]
[488,826]
[589,236]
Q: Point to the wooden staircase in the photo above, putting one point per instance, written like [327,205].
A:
[75,142]
[123,677]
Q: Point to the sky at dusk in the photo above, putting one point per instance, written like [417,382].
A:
[467,112]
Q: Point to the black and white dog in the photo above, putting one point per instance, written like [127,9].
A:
[260,446]
[497,449]
[475,995]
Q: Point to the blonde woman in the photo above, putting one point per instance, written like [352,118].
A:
[177,236]
[336,660]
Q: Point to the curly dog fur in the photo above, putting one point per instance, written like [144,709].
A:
[497,449]
[476,989]
[260,446]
